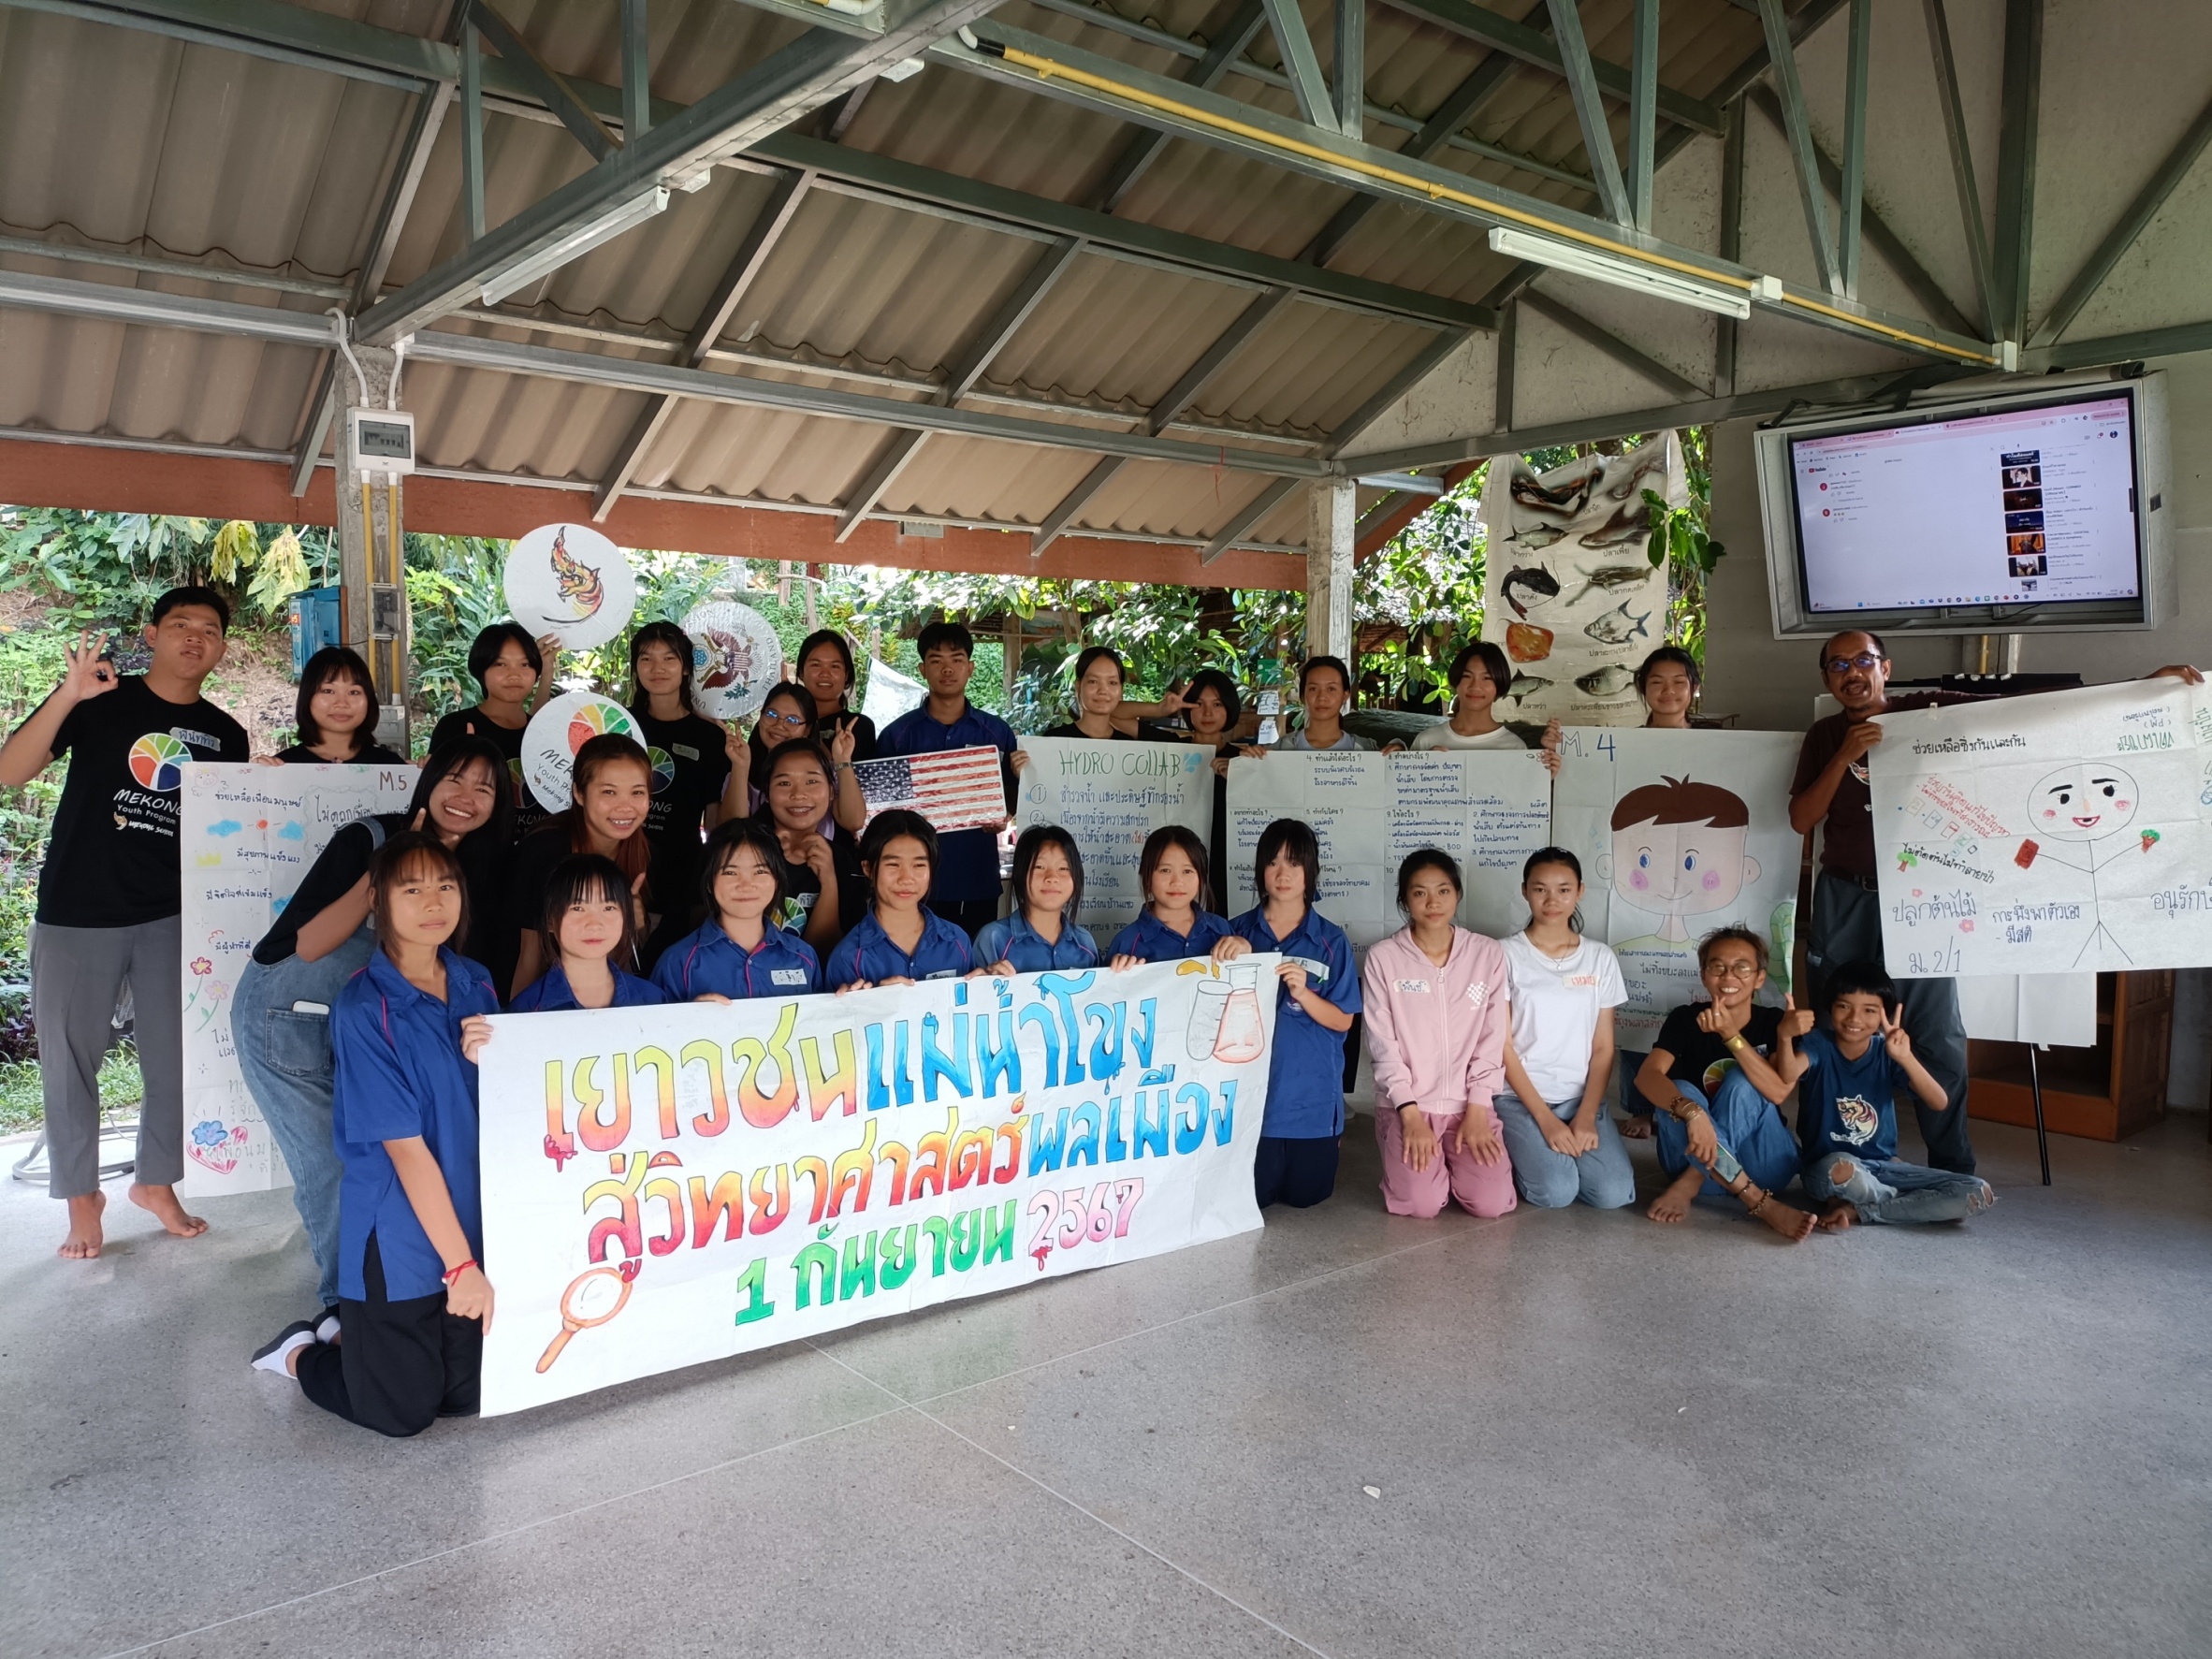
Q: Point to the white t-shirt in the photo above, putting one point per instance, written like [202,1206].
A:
[1441,735]
[1555,1007]
[1299,740]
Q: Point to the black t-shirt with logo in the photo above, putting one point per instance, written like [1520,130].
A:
[690,767]
[112,859]
[1702,1058]
[474,722]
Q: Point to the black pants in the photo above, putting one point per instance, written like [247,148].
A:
[971,916]
[1299,1171]
[1847,927]
[399,1366]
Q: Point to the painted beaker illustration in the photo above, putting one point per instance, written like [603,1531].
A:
[1206,1011]
[1242,1035]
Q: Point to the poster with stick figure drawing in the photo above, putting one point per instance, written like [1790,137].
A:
[1679,833]
[2066,832]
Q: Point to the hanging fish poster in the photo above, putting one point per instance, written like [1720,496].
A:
[1570,592]
[569,580]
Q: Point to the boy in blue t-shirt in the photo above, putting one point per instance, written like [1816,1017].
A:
[1847,1112]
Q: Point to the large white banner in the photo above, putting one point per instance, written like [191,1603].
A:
[2066,832]
[667,1186]
[1489,808]
[1679,833]
[1110,796]
[246,836]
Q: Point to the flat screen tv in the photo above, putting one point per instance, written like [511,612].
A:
[2030,511]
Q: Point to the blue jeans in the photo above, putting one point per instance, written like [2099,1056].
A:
[285,1057]
[1882,1189]
[1552,1179]
[1746,1125]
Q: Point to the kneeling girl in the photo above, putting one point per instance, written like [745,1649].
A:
[1178,920]
[901,940]
[592,940]
[1048,892]
[740,952]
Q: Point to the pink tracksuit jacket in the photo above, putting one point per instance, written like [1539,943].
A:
[1437,1034]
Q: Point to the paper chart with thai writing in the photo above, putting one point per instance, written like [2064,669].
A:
[1110,796]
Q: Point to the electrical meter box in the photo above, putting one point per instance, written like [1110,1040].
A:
[380,440]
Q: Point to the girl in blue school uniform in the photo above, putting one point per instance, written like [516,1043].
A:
[1048,892]
[413,1300]
[900,941]
[740,950]
[1178,920]
[592,940]
[1320,993]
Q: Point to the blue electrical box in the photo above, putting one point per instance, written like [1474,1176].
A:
[315,624]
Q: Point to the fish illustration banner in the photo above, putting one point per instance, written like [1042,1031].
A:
[668,1185]
[1489,808]
[246,836]
[1570,591]
[1679,833]
[2066,832]
[1110,796]
[568,579]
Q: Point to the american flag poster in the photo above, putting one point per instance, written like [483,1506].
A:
[956,789]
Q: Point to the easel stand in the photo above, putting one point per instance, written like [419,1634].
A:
[2042,1139]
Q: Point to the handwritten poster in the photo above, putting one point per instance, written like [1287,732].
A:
[1679,833]
[668,1185]
[1110,796]
[1571,592]
[246,836]
[1489,808]
[2066,832]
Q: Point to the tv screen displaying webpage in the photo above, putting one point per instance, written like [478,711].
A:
[2023,507]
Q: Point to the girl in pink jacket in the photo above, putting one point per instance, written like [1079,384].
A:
[1434,996]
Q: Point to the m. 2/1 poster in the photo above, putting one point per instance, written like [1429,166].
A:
[667,1186]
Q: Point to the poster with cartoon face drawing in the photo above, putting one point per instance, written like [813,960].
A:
[568,579]
[1679,833]
[2067,832]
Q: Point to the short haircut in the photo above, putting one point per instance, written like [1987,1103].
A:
[1732,936]
[1880,650]
[1862,978]
[899,823]
[1494,663]
[730,835]
[1676,800]
[942,635]
[459,755]
[585,878]
[484,651]
[1035,839]
[677,640]
[1668,653]
[1427,858]
[333,662]
[191,593]
[1091,654]
[1306,672]
[406,855]
[1544,855]
[1155,848]
[1213,680]
[1295,837]
[829,636]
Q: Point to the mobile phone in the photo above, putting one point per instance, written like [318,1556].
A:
[312,1008]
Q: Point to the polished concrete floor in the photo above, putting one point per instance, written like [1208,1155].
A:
[1571,1434]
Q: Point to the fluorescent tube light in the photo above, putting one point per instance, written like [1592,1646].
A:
[574,246]
[1631,273]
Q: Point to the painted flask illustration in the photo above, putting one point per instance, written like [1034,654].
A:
[1208,1008]
[1244,1035]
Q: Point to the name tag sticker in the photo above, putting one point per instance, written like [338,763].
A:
[1409,985]
[943,974]
[788,976]
[1314,970]
[684,750]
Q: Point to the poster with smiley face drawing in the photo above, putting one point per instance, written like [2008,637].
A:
[1679,833]
[2067,832]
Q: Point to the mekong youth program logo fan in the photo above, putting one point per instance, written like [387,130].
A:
[157,762]
[557,730]
[736,658]
[570,580]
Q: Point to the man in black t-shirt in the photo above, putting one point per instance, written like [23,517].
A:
[110,894]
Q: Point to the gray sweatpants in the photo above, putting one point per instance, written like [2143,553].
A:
[76,975]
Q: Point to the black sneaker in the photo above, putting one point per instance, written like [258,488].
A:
[270,1356]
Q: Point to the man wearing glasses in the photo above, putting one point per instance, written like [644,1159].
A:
[1830,788]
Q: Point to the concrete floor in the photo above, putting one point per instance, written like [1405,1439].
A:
[1589,1436]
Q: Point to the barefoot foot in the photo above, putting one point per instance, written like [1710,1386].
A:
[1636,1129]
[1786,1219]
[1836,1215]
[86,1236]
[1674,1203]
[161,1203]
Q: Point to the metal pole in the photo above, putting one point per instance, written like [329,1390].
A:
[2043,1141]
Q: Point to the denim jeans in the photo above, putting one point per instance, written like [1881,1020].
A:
[1552,1179]
[1746,1125]
[285,1054]
[1884,1190]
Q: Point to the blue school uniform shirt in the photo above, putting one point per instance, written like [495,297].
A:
[708,962]
[1010,938]
[399,1073]
[967,860]
[549,993]
[1305,1069]
[1848,1105]
[869,954]
[1151,940]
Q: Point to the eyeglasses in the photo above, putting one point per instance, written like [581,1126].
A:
[1843,665]
[788,719]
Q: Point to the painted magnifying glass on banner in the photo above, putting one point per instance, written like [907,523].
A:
[593,1298]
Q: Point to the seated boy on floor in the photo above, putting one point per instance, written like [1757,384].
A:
[1847,1112]
[1714,1072]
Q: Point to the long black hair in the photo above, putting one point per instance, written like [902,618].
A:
[677,640]
[458,756]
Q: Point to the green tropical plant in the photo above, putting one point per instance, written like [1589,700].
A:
[1681,541]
